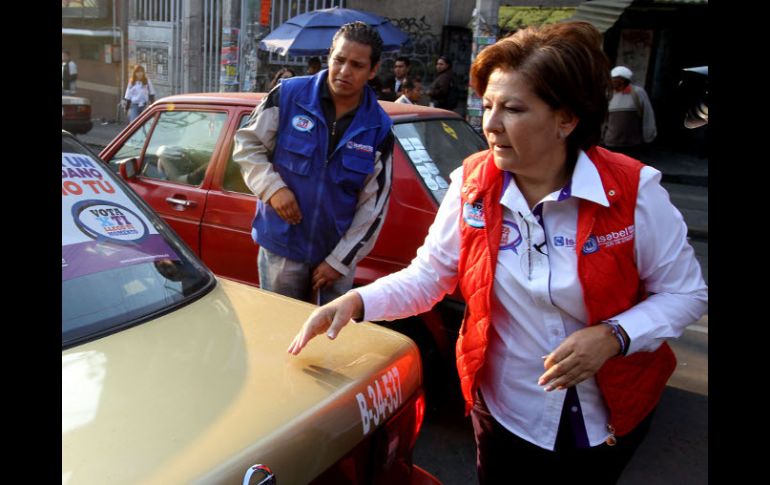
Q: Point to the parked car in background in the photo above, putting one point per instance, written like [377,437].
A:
[173,375]
[213,211]
[76,114]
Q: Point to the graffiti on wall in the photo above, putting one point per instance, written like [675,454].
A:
[422,49]
[154,57]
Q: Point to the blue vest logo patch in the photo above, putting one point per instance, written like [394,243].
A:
[302,123]
[473,214]
[591,245]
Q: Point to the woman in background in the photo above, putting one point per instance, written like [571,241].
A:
[139,93]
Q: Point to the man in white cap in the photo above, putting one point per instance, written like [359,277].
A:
[631,121]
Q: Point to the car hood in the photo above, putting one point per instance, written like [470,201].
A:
[207,391]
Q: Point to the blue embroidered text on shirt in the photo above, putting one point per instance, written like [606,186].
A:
[561,241]
[302,123]
[359,147]
[511,237]
[473,214]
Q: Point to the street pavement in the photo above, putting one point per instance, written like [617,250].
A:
[676,449]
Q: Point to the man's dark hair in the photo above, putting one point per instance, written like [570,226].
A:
[314,62]
[446,59]
[404,59]
[363,34]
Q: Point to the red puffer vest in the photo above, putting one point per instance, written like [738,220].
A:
[631,385]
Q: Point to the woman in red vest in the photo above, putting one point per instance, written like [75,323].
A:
[573,263]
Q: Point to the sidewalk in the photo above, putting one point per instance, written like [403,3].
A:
[685,177]
[101,134]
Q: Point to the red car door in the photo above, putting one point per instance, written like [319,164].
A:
[177,148]
[226,244]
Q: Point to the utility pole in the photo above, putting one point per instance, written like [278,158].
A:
[192,40]
[485,32]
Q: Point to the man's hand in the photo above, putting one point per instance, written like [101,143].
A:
[285,205]
[329,318]
[579,357]
[324,276]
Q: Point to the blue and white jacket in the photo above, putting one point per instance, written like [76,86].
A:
[343,197]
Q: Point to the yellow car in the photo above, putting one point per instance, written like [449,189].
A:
[171,375]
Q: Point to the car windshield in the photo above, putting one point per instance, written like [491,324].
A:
[437,147]
[121,265]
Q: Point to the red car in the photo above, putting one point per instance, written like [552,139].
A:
[213,212]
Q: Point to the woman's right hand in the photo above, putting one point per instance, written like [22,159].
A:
[329,318]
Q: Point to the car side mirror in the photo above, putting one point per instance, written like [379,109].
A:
[128,168]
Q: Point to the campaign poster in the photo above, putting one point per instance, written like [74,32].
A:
[102,228]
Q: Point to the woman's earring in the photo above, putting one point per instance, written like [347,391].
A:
[561,134]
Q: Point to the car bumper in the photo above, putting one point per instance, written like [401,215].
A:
[77,126]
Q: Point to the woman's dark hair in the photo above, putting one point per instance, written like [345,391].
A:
[564,65]
[363,34]
[279,75]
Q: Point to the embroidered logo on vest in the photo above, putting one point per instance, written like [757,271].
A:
[302,123]
[511,237]
[591,245]
[473,214]
[359,147]
[617,237]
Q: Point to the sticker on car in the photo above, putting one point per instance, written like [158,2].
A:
[102,228]
[382,398]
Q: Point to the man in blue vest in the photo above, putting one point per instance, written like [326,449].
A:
[317,153]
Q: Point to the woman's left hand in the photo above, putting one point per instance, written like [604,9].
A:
[579,357]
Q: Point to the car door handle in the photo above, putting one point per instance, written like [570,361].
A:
[182,202]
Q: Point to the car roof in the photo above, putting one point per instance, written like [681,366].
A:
[397,111]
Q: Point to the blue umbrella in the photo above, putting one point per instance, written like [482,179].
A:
[311,33]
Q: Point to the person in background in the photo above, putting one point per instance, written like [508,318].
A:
[313,66]
[69,73]
[283,73]
[319,138]
[392,87]
[573,263]
[176,165]
[411,92]
[631,121]
[442,92]
[139,93]
[376,84]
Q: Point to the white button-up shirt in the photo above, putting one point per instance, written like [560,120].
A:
[538,300]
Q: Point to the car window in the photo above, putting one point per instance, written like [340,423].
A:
[436,148]
[120,263]
[233,179]
[181,145]
[132,148]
